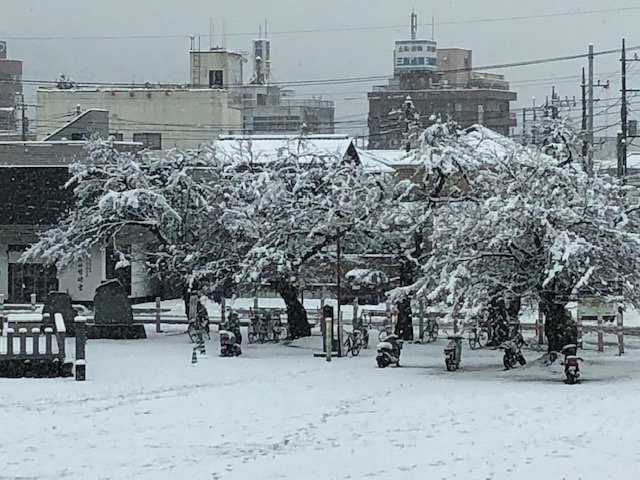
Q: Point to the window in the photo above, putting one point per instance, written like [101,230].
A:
[25,279]
[118,137]
[215,79]
[152,141]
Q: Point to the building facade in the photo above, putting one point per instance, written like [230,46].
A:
[159,118]
[10,90]
[216,68]
[441,83]
[466,106]
[32,197]
[215,102]
[290,116]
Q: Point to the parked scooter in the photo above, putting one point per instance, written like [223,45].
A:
[233,325]
[453,353]
[571,363]
[389,350]
[513,352]
[229,347]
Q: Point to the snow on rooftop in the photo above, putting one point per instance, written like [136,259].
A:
[392,158]
[373,162]
[265,148]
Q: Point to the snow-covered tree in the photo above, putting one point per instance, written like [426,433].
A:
[555,137]
[410,122]
[293,207]
[507,221]
[167,202]
[406,120]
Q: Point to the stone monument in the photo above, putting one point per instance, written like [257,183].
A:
[113,314]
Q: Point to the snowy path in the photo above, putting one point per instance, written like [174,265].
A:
[278,413]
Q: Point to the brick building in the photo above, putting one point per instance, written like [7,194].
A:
[10,90]
[452,91]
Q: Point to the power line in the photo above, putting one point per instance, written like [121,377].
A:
[330,30]
[347,80]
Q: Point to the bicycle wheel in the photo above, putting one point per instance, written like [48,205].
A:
[355,349]
[347,346]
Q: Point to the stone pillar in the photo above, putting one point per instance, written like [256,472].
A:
[81,340]
[158,305]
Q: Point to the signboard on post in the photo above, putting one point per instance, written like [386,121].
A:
[415,56]
[602,312]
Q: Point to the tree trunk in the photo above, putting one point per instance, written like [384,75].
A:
[296,314]
[559,326]
[499,310]
[404,326]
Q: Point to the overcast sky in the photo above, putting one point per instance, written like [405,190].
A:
[329,53]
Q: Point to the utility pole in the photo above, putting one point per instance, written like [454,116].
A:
[590,118]
[23,107]
[585,142]
[24,122]
[625,135]
[622,140]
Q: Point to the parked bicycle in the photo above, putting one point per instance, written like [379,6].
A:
[353,343]
[278,331]
[365,336]
[263,327]
[430,332]
[503,331]
[257,331]
[478,336]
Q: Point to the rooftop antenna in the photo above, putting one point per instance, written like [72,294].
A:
[259,31]
[433,28]
[265,28]
[414,25]
[212,31]
[224,33]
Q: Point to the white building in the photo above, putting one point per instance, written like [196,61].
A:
[216,68]
[32,197]
[160,118]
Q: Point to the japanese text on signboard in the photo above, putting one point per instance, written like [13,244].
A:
[416,55]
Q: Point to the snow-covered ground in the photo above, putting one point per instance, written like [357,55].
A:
[277,412]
